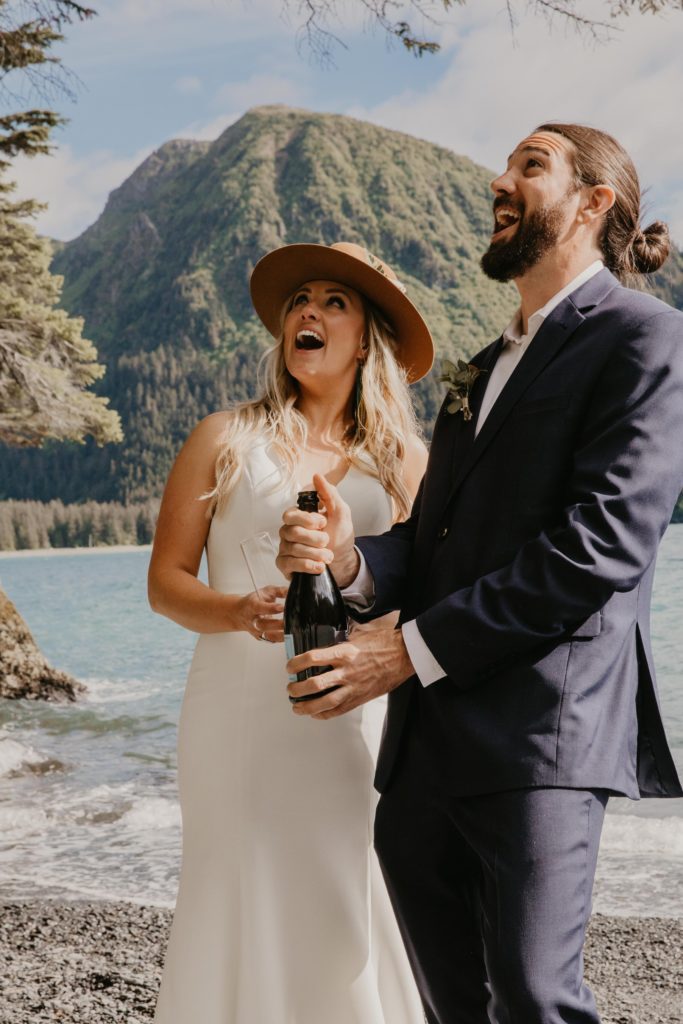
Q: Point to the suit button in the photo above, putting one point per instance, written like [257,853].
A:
[443,533]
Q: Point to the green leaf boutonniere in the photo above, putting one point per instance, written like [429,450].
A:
[461,379]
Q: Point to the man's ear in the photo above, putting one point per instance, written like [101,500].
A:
[598,200]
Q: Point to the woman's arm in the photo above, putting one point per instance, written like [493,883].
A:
[414,465]
[181,532]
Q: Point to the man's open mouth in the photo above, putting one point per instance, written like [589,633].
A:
[308,341]
[505,217]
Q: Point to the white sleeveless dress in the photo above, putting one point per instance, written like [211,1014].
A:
[282,915]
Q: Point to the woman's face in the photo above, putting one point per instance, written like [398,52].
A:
[323,334]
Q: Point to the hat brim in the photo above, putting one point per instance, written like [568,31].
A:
[280,272]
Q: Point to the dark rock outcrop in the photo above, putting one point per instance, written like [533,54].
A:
[24,672]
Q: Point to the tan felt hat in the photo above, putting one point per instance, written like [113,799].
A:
[280,272]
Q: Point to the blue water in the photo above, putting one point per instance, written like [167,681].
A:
[88,801]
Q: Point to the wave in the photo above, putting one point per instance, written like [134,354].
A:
[17,758]
[16,823]
[640,837]
[113,691]
[13,755]
[152,813]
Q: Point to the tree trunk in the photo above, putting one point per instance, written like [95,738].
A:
[24,672]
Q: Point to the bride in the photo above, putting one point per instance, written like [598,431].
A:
[282,916]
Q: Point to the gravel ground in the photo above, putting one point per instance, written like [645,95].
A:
[100,963]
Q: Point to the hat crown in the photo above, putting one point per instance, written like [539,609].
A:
[359,252]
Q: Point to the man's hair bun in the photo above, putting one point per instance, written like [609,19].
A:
[650,247]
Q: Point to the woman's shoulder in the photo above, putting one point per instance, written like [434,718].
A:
[414,463]
[210,431]
[416,454]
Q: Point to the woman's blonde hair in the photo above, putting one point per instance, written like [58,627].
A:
[376,442]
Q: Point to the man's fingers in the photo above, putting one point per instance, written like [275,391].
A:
[328,492]
[320,705]
[290,535]
[337,654]
[288,565]
[306,551]
[312,521]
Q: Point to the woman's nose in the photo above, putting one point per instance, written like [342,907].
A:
[309,311]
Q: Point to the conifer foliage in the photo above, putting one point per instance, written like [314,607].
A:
[46,365]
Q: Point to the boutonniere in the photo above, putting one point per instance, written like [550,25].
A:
[461,378]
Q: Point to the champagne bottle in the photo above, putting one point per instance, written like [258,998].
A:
[314,614]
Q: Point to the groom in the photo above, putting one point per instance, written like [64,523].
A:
[522,689]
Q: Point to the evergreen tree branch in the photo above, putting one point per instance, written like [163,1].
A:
[316,18]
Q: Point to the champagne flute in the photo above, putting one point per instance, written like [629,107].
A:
[259,553]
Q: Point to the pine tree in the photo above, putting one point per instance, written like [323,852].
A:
[46,366]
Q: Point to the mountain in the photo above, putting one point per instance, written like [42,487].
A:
[162,276]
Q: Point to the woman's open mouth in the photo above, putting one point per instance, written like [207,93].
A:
[308,341]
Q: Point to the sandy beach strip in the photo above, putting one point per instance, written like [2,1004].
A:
[100,963]
[109,549]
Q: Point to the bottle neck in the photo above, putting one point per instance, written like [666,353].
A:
[308,501]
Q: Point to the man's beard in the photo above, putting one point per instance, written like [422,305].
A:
[537,233]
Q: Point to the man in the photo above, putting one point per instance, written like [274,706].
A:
[521,682]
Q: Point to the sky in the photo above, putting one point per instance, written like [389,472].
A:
[146,71]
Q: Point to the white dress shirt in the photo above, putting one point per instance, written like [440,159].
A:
[361,592]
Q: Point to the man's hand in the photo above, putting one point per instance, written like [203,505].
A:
[374,662]
[309,540]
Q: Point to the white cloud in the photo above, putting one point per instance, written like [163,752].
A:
[257,90]
[493,90]
[496,89]
[235,98]
[75,188]
[188,85]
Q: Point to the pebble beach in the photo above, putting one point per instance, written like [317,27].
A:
[100,963]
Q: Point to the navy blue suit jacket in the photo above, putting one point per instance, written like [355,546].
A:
[529,557]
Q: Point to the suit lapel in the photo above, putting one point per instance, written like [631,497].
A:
[552,335]
[464,435]
[456,436]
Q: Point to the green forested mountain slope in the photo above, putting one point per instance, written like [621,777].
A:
[162,276]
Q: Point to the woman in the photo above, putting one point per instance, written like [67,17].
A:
[282,916]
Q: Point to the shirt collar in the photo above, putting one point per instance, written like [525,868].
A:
[513,331]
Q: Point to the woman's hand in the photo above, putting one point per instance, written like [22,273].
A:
[261,616]
[311,540]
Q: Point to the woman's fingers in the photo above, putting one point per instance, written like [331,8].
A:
[274,593]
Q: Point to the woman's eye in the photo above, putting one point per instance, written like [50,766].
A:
[298,299]
[338,299]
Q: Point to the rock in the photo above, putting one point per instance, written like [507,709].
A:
[24,672]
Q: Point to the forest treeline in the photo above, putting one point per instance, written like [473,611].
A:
[28,525]
[36,524]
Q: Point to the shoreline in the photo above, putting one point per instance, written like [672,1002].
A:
[111,549]
[100,963]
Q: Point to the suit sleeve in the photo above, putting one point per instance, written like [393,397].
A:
[626,478]
[388,558]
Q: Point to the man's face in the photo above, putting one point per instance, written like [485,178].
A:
[535,203]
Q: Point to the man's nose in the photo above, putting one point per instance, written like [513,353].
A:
[503,184]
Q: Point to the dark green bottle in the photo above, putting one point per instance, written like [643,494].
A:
[314,615]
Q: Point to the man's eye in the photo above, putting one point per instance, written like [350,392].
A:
[532,162]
